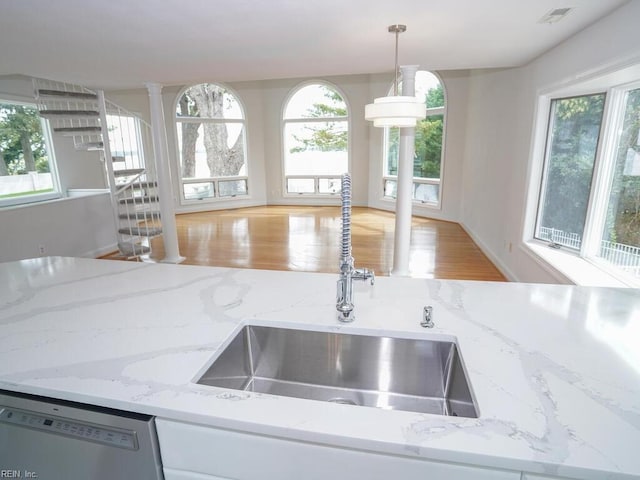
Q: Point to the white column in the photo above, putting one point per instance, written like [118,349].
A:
[160,150]
[404,191]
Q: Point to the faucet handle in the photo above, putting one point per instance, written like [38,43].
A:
[372,276]
[364,274]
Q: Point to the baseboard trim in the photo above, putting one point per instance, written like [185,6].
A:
[101,252]
[220,205]
[490,255]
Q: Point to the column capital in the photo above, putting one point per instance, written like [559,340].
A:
[153,88]
[409,79]
[409,69]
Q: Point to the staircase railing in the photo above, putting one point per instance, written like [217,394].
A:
[125,143]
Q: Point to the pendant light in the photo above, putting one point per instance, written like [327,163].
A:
[396,110]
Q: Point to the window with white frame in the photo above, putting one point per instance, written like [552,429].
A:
[316,140]
[27,170]
[427,163]
[211,142]
[589,202]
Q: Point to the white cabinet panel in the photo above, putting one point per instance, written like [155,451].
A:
[171,474]
[252,457]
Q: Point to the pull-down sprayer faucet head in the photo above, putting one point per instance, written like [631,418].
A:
[347,271]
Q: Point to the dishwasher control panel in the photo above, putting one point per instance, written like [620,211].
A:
[71,428]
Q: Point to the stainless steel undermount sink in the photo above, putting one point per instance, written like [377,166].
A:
[415,375]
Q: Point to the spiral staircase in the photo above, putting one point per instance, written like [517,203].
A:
[125,145]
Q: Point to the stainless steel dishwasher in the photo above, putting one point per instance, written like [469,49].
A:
[58,440]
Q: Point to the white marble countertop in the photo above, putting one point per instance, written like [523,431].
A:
[555,369]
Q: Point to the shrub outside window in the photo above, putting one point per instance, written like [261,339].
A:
[316,140]
[211,142]
[427,164]
[27,170]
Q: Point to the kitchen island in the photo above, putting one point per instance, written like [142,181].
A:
[555,370]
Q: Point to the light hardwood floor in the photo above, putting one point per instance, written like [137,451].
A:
[307,239]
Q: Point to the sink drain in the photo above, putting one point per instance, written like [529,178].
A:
[342,401]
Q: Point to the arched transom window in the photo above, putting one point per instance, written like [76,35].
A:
[316,140]
[211,142]
[427,164]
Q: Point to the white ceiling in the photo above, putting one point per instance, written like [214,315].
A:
[125,43]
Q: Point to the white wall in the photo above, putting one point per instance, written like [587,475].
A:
[76,227]
[77,169]
[499,135]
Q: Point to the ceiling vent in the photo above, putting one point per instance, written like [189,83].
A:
[555,15]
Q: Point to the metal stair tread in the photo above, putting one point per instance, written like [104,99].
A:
[143,185]
[145,199]
[127,172]
[69,113]
[78,130]
[124,182]
[133,250]
[140,215]
[65,94]
[141,231]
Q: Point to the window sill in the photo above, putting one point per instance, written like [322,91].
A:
[27,200]
[312,195]
[57,199]
[568,267]
[213,200]
[414,203]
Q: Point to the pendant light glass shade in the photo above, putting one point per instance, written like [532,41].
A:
[397,110]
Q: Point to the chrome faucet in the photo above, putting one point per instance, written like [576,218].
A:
[344,300]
